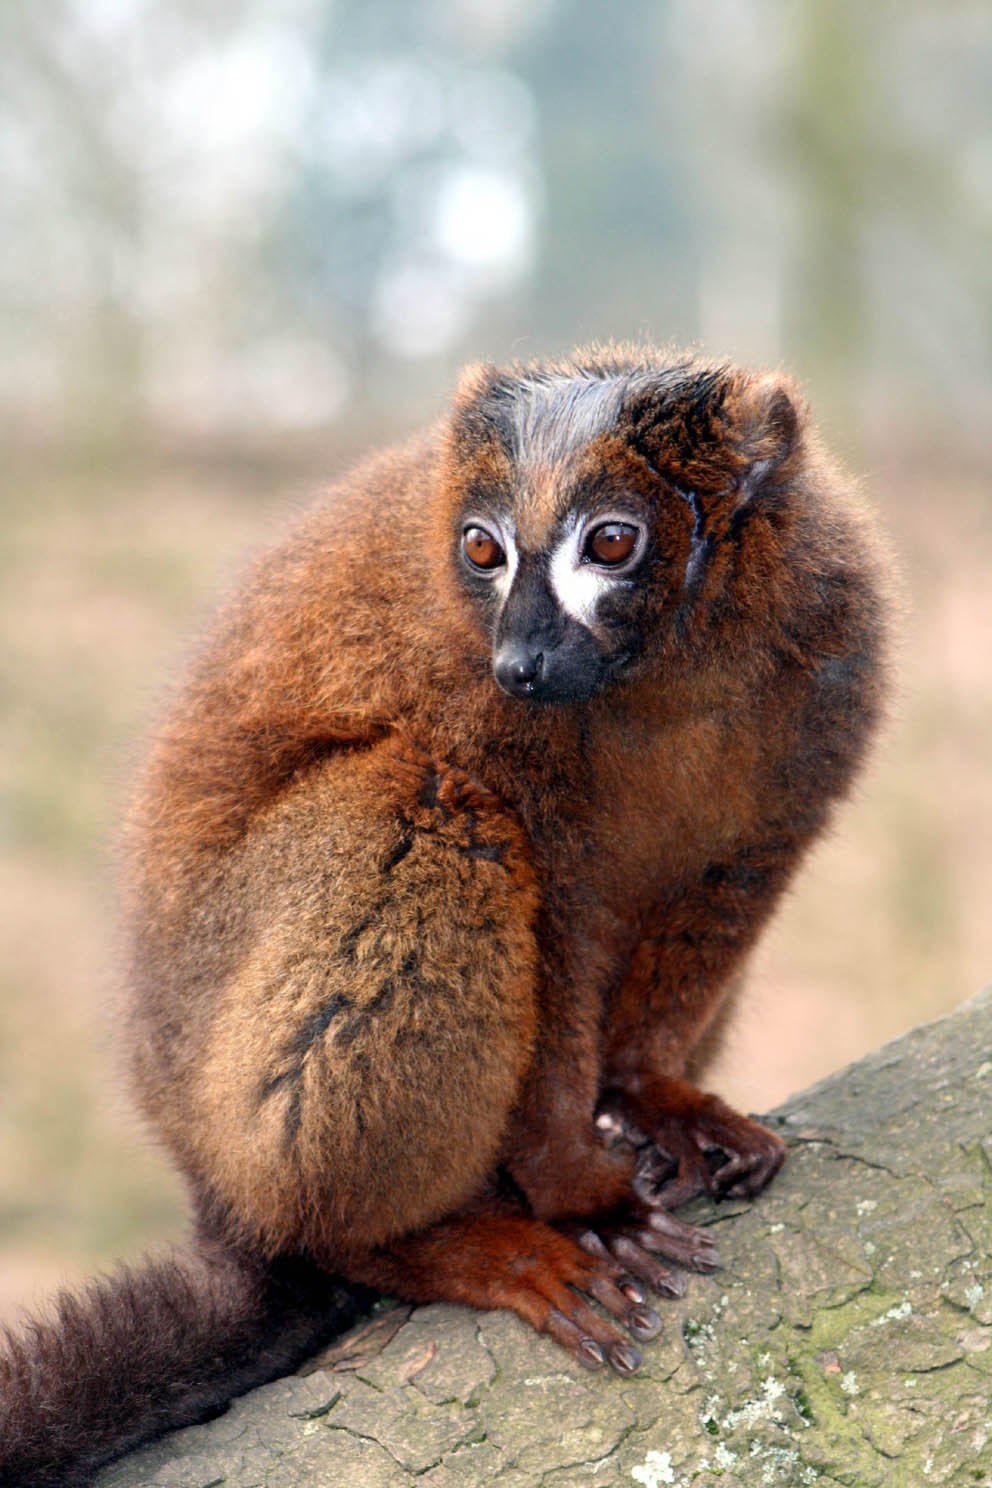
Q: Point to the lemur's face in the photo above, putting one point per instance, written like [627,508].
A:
[599,513]
[570,543]
[560,608]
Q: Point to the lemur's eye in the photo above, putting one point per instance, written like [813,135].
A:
[610,544]
[481,548]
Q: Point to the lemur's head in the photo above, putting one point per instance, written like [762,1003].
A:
[600,505]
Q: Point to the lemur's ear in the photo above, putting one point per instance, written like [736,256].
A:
[475,381]
[769,417]
[470,425]
[481,396]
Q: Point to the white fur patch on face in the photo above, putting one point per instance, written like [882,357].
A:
[577,586]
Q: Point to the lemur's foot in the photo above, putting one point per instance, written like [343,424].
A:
[636,1235]
[543,1274]
[689,1143]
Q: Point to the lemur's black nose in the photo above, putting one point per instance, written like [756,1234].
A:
[517,669]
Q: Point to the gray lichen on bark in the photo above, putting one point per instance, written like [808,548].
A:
[847,1339]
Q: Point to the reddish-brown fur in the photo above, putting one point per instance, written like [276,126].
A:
[420,969]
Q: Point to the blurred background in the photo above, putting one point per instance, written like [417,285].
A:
[240,242]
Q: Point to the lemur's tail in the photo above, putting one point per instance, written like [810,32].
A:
[150,1348]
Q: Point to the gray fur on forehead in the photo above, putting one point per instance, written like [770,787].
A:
[543,415]
[556,415]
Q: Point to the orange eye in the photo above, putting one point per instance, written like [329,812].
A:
[481,548]
[611,544]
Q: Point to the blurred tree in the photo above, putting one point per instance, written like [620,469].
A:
[70,218]
[619,248]
[244,219]
[834,157]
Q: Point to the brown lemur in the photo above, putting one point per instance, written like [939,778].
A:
[440,870]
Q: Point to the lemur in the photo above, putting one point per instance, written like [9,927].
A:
[441,870]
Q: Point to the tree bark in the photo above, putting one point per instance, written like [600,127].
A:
[847,1339]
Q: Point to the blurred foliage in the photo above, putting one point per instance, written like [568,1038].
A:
[241,241]
[241,219]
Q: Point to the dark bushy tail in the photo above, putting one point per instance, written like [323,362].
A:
[148,1349]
